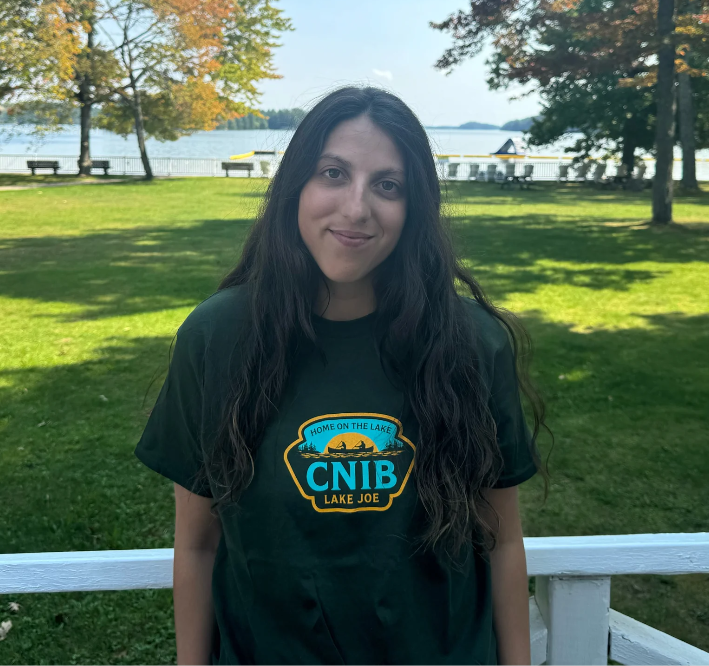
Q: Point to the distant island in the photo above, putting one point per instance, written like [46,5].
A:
[521,125]
[269,119]
[69,114]
[274,119]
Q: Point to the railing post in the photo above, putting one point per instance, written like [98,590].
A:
[576,613]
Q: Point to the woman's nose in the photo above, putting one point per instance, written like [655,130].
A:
[356,207]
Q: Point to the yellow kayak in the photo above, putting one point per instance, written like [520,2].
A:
[243,156]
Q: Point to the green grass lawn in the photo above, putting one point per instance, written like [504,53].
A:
[94,282]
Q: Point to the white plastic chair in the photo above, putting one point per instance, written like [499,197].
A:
[474,171]
[582,171]
[526,177]
[509,177]
[564,172]
[490,173]
[599,173]
[453,169]
[637,181]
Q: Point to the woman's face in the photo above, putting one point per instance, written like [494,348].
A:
[352,210]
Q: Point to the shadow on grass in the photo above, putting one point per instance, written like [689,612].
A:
[143,269]
[491,242]
[146,269]
[69,480]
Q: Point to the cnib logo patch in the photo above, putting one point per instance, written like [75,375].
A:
[350,462]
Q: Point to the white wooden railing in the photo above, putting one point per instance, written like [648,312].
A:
[131,165]
[571,621]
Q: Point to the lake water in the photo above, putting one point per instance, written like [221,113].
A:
[221,144]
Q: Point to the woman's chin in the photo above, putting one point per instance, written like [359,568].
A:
[347,277]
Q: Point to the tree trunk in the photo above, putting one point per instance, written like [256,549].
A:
[665,131]
[686,132]
[629,154]
[86,100]
[140,132]
[85,154]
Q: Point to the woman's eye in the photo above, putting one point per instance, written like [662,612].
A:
[333,173]
[388,185]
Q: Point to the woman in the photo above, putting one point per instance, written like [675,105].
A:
[341,325]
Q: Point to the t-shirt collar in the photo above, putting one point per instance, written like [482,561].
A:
[343,329]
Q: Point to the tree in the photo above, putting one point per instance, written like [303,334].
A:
[187,65]
[38,49]
[666,100]
[284,118]
[619,120]
[545,41]
[700,101]
[95,73]
[56,63]
[686,129]
[160,68]
[693,50]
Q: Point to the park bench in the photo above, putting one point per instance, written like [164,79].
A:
[237,166]
[99,164]
[33,165]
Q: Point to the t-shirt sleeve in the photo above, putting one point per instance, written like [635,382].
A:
[171,444]
[513,435]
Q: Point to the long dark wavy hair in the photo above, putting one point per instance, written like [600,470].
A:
[423,329]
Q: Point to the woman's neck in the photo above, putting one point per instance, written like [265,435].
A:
[342,301]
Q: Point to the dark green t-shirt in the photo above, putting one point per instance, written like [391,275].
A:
[318,563]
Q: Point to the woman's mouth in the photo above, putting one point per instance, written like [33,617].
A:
[350,238]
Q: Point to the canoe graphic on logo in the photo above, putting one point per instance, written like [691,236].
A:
[350,462]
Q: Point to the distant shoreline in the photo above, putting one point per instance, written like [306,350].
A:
[470,129]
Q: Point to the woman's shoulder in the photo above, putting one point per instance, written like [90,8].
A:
[222,312]
[489,330]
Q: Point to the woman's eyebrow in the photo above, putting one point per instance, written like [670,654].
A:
[391,171]
[337,158]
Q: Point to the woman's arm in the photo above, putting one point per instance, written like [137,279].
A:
[197,535]
[510,591]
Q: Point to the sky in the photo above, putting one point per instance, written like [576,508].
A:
[386,43]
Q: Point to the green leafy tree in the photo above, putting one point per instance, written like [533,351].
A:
[188,65]
[38,50]
[540,42]
[615,119]
[160,68]
[284,118]
[96,71]
[270,119]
